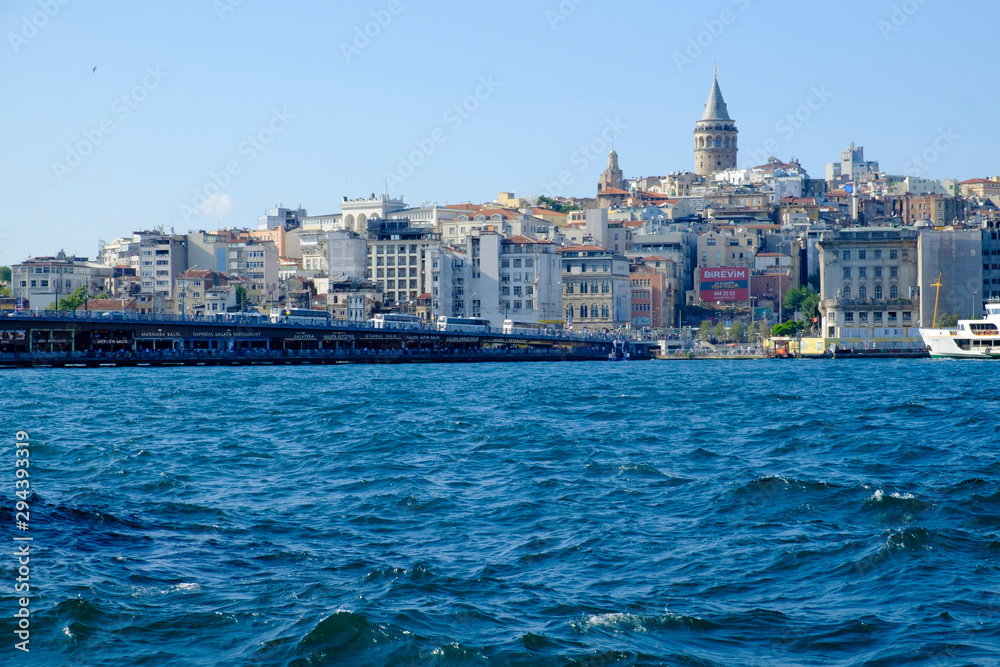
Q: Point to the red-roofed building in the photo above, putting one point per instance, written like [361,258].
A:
[980,188]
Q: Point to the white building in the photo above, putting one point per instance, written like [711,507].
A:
[517,278]
[45,280]
[257,263]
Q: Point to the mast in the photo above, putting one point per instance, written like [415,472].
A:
[936,295]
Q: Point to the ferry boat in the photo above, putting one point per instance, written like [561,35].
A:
[973,339]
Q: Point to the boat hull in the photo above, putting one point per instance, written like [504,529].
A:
[949,344]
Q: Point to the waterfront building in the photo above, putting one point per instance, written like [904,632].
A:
[498,278]
[596,287]
[397,258]
[958,257]
[43,281]
[191,288]
[869,279]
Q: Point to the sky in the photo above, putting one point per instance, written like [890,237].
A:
[202,114]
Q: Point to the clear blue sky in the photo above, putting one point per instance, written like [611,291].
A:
[893,76]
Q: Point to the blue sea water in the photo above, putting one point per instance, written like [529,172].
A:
[668,513]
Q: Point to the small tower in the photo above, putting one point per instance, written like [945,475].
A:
[715,136]
[612,176]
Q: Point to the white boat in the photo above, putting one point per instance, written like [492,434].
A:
[974,339]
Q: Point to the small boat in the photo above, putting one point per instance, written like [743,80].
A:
[619,352]
[972,339]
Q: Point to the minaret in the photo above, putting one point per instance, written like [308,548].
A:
[714,135]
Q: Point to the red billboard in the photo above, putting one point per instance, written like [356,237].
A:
[724,283]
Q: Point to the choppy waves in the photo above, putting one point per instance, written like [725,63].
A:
[732,513]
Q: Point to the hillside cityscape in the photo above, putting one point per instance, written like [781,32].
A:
[743,251]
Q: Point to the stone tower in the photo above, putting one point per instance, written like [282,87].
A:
[612,176]
[714,136]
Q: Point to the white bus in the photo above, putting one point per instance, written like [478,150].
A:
[300,316]
[524,328]
[394,321]
[463,324]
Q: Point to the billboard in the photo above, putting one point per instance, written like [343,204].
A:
[724,283]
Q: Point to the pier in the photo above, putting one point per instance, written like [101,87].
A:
[91,340]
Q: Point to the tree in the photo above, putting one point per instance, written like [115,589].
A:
[706,330]
[5,274]
[4,291]
[242,298]
[550,203]
[73,300]
[720,330]
[948,321]
[787,328]
[737,331]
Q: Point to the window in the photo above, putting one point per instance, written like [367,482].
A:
[878,254]
[906,317]
[893,254]
[583,290]
[847,272]
[583,311]
[862,272]
[862,254]
[569,312]
[504,263]
[569,289]
[847,291]
[605,311]
[710,240]
[863,317]
[878,291]
[529,304]
[849,317]
[517,263]
[893,292]
[893,271]
[863,292]
[878,317]
[847,254]
[892,317]
[878,271]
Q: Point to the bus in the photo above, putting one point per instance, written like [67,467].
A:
[395,321]
[525,328]
[300,316]
[463,324]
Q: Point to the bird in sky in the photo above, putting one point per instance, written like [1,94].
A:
[93,70]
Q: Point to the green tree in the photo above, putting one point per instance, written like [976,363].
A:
[550,203]
[242,298]
[720,330]
[5,274]
[787,328]
[737,331]
[71,301]
[4,291]
[947,321]
[706,330]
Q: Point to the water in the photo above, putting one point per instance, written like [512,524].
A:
[678,513]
